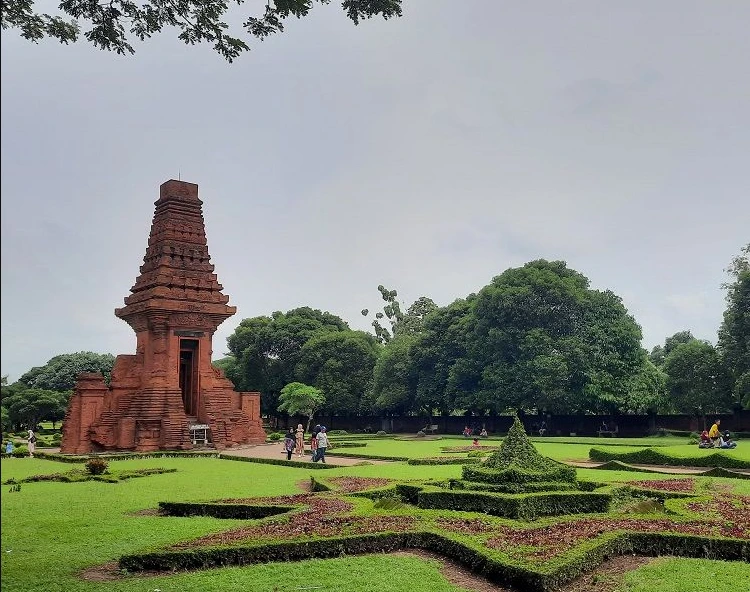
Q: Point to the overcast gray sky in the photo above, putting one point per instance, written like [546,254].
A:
[427,153]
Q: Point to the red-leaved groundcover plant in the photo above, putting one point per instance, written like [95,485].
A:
[720,514]
[679,485]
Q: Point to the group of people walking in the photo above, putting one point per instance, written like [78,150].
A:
[294,443]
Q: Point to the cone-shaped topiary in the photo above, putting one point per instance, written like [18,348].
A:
[518,451]
[518,463]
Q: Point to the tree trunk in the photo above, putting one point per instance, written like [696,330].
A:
[309,421]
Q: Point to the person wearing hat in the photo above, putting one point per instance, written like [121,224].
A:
[322,445]
[725,441]
[314,442]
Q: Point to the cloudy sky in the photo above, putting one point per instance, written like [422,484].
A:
[427,153]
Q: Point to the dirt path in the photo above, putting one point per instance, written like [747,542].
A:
[274,450]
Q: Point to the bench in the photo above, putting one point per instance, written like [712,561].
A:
[430,428]
[612,432]
[199,433]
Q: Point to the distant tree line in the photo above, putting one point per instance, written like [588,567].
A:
[537,338]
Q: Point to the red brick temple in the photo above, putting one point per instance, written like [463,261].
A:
[167,396]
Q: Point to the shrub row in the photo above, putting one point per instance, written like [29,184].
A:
[721,472]
[280,461]
[522,578]
[527,506]
[82,458]
[649,456]
[617,465]
[513,474]
[348,444]
[78,476]
[236,511]
[367,456]
[533,486]
[439,460]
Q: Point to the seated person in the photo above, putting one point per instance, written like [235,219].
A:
[475,442]
[543,428]
[467,432]
[603,427]
[705,441]
[725,441]
[483,433]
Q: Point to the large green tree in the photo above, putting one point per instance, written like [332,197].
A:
[265,350]
[114,25]
[394,377]
[439,357]
[341,365]
[541,338]
[28,407]
[61,372]
[646,390]
[734,333]
[696,379]
[660,353]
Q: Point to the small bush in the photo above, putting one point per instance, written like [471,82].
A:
[420,434]
[275,436]
[338,433]
[96,466]
[20,452]
[381,433]
[388,502]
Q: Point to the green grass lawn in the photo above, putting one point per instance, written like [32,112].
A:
[51,531]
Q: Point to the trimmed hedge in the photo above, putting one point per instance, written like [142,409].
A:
[437,460]
[231,511]
[526,506]
[79,476]
[649,456]
[522,578]
[721,472]
[367,456]
[515,474]
[516,487]
[616,465]
[316,485]
[82,458]
[278,461]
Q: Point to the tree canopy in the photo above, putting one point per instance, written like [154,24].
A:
[266,350]
[116,24]
[696,379]
[341,365]
[734,333]
[539,337]
[61,372]
[28,407]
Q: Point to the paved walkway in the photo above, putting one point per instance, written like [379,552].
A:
[275,450]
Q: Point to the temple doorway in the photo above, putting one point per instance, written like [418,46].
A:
[189,375]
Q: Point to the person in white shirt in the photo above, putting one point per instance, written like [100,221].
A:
[322,445]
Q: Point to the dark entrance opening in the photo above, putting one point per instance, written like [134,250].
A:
[189,375]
